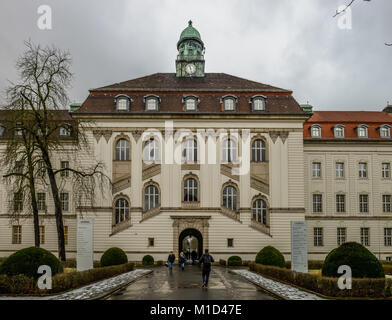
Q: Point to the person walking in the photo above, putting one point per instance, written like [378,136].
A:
[207,260]
[182,260]
[170,259]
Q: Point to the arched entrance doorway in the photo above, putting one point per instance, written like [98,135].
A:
[192,240]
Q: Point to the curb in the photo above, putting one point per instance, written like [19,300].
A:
[118,288]
[269,291]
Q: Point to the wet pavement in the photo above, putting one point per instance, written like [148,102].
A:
[164,284]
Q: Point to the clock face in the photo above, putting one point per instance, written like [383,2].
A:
[190,68]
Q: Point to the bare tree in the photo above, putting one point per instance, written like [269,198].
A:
[338,12]
[44,79]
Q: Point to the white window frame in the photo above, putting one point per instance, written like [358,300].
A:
[315,128]
[65,131]
[64,165]
[151,197]
[122,150]
[337,130]
[258,151]
[318,237]
[362,129]
[316,170]
[339,170]
[386,203]
[229,150]
[151,150]
[387,237]
[121,210]
[190,150]
[258,103]
[365,236]
[340,203]
[259,210]
[41,201]
[190,104]
[386,170]
[317,202]
[152,104]
[341,233]
[364,203]
[363,170]
[385,131]
[64,198]
[191,190]
[230,194]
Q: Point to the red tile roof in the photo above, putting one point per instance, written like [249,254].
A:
[351,120]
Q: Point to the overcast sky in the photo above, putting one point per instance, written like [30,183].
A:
[296,45]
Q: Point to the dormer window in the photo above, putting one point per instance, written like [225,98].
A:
[2,130]
[122,102]
[151,102]
[229,103]
[18,129]
[339,131]
[362,131]
[65,130]
[315,131]
[384,130]
[258,103]
[190,103]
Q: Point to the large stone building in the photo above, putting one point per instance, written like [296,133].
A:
[210,160]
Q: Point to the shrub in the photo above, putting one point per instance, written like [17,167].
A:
[222,262]
[315,264]
[113,257]
[148,260]
[27,261]
[234,261]
[362,262]
[270,256]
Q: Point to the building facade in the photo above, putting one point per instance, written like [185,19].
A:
[209,160]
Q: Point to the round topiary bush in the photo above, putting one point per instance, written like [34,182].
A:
[113,257]
[27,261]
[271,256]
[234,261]
[362,262]
[148,260]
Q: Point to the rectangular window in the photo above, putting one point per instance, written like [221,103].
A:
[363,203]
[42,234]
[316,170]
[388,237]
[230,243]
[341,236]
[386,203]
[363,170]
[152,104]
[64,197]
[317,203]
[18,201]
[64,165]
[66,235]
[41,169]
[318,237]
[365,236]
[386,170]
[150,242]
[339,170]
[16,234]
[41,201]
[340,203]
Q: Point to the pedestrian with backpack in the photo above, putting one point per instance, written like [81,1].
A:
[170,259]
[207,260]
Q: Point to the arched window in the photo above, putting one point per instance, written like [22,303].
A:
[190,190]
[258,103]
[339,131]
[260,211]
[151,150]
[229,103]
[123,102]
[122,150]
[230,198]
[229,150]
[151,197]
[362,131]
[190,150]
[315,131]
[121,210]
[258,151]
[384,130]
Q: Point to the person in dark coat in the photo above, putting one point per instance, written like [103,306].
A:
[194,256]
[207,260]
[182,260]
[170,259]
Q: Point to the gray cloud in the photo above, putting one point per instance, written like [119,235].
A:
[290,44]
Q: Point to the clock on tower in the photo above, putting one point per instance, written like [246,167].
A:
[190,60]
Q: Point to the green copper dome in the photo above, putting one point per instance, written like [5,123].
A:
[190,33]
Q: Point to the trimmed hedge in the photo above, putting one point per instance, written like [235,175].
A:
[61,282]
[222,262]
[312,264]
[372,288]
[363,263]
[270,256]
[148,260]
[234,261]
[27,261]
[113,257]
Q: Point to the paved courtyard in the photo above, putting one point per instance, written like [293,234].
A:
[186,285]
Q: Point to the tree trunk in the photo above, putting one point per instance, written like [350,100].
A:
[35,213]
[57,205]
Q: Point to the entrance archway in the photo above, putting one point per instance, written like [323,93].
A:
[191,239]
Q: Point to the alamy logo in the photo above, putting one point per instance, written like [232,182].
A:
[344,282]
[45,20]
[45,281]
